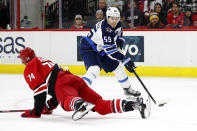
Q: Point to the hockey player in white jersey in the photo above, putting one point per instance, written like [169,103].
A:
[101,49]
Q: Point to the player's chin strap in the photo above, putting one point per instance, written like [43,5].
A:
[156,102]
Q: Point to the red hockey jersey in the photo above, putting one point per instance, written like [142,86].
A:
[37,74]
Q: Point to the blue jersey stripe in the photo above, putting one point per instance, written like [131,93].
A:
[109,46]
[111,52]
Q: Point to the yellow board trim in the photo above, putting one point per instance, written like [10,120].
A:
[142,71]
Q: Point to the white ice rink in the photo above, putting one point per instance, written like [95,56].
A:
[180,113]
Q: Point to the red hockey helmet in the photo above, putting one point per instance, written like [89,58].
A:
[26,55]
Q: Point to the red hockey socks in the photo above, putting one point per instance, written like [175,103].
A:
[72,103]
[104,107]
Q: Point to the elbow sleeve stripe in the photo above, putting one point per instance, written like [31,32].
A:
[109,46]
[43,87]
[111,52]
[41,90]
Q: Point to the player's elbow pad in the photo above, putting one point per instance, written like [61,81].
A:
[117,56]
[113,52]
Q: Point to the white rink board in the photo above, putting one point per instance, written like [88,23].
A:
[161,48]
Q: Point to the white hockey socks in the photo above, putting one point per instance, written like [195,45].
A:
[91,74]
[122,76]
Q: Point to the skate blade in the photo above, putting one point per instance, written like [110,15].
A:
[78,115]
[147,110]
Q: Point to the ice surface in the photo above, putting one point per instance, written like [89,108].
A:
[180,113]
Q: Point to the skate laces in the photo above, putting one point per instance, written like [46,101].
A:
[83,106]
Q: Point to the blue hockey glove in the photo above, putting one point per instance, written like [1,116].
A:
[129,64]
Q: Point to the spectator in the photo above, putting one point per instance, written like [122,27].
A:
[167,5]
[78,22]
[175,18]
[138,15]
[149,6]
[103,6]
[155,23]
[4,16]
[99,17]
[161,13]
[188,16]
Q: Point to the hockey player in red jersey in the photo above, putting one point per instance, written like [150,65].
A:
[70,91]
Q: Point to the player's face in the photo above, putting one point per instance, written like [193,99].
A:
[23,61]
[112,21]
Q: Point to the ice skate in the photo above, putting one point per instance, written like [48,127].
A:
[131,94]
[82,110]
[143,106]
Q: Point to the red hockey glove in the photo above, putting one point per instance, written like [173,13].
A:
[48,109]
[30,114]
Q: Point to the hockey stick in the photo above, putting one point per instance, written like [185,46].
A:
[160,103]
[9,111]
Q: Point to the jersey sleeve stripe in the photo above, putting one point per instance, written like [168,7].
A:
[109,46]
[37,88]
[111,52]
[44,90]
[42,87]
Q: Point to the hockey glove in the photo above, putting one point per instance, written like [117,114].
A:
[30,114]
[129,64]
[46,111]
[48,108]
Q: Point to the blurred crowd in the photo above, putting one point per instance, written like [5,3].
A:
[4,16]
[146,13]
[139,14]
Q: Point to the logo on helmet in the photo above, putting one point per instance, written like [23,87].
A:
[113,11]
